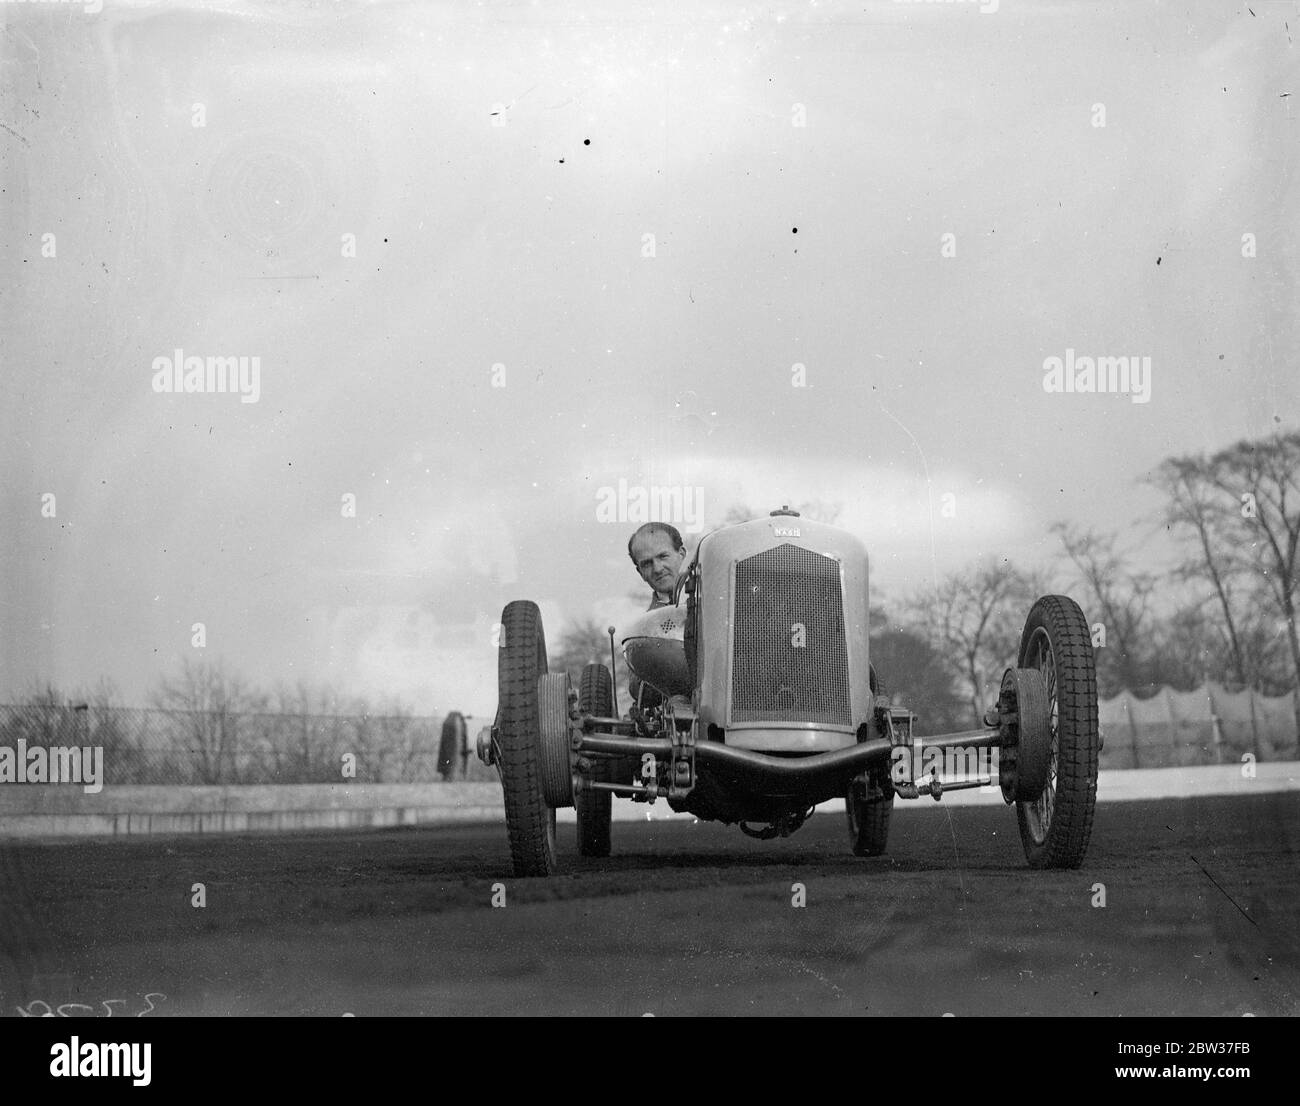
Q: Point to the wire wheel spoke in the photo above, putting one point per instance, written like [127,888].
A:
[1044,659]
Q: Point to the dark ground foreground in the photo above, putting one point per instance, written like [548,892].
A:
[1202,905]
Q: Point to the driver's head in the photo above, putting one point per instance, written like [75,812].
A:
[658,551]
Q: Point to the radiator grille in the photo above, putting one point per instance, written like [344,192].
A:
[774,678]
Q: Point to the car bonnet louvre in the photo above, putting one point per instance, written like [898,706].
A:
[789,654]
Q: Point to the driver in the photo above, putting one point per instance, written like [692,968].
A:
[658,552]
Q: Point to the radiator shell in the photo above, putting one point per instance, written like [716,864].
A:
[761,588]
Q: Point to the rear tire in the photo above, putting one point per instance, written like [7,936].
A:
[595,808]
[869,807]
[1055,827]
[521,661]
[869,813]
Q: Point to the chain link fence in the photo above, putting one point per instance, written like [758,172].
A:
[147,746]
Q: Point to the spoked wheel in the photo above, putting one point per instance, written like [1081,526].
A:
[521,662]
[870,801]
[1055,826]
[595,696]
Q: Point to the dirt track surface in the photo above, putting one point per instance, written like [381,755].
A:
[1202,899]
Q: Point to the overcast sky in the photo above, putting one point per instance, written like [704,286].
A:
[507,341]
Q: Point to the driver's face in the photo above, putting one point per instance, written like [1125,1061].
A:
[657,561]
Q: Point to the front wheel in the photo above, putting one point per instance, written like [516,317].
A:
[521,662]
[1055,826]
[869,802]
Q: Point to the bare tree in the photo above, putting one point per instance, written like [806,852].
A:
[390,743]
[1263,478]
[304,737]
[208,701]
[581,643]
[1265,646]
[106,726]
[1191,646]
[406,747]
[586,642]
[42,717]
[1121,596]
[89,716]
[1198,509]
[976,615]
[915,674]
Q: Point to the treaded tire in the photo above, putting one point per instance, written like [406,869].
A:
[553,707]
[595,808]
[530,823]
[1056,827]
[868,815]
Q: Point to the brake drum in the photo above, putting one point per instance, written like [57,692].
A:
[553,724]
[1033,731]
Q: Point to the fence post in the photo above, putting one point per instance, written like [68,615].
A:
[1175,749]
[1254,728]
[1132,725]
[1216,731]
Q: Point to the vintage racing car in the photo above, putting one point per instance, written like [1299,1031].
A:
[763,703]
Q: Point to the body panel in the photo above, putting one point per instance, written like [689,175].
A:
[792,737]
[795,547]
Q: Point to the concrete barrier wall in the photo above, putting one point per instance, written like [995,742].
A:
[44,811]
[41,810]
